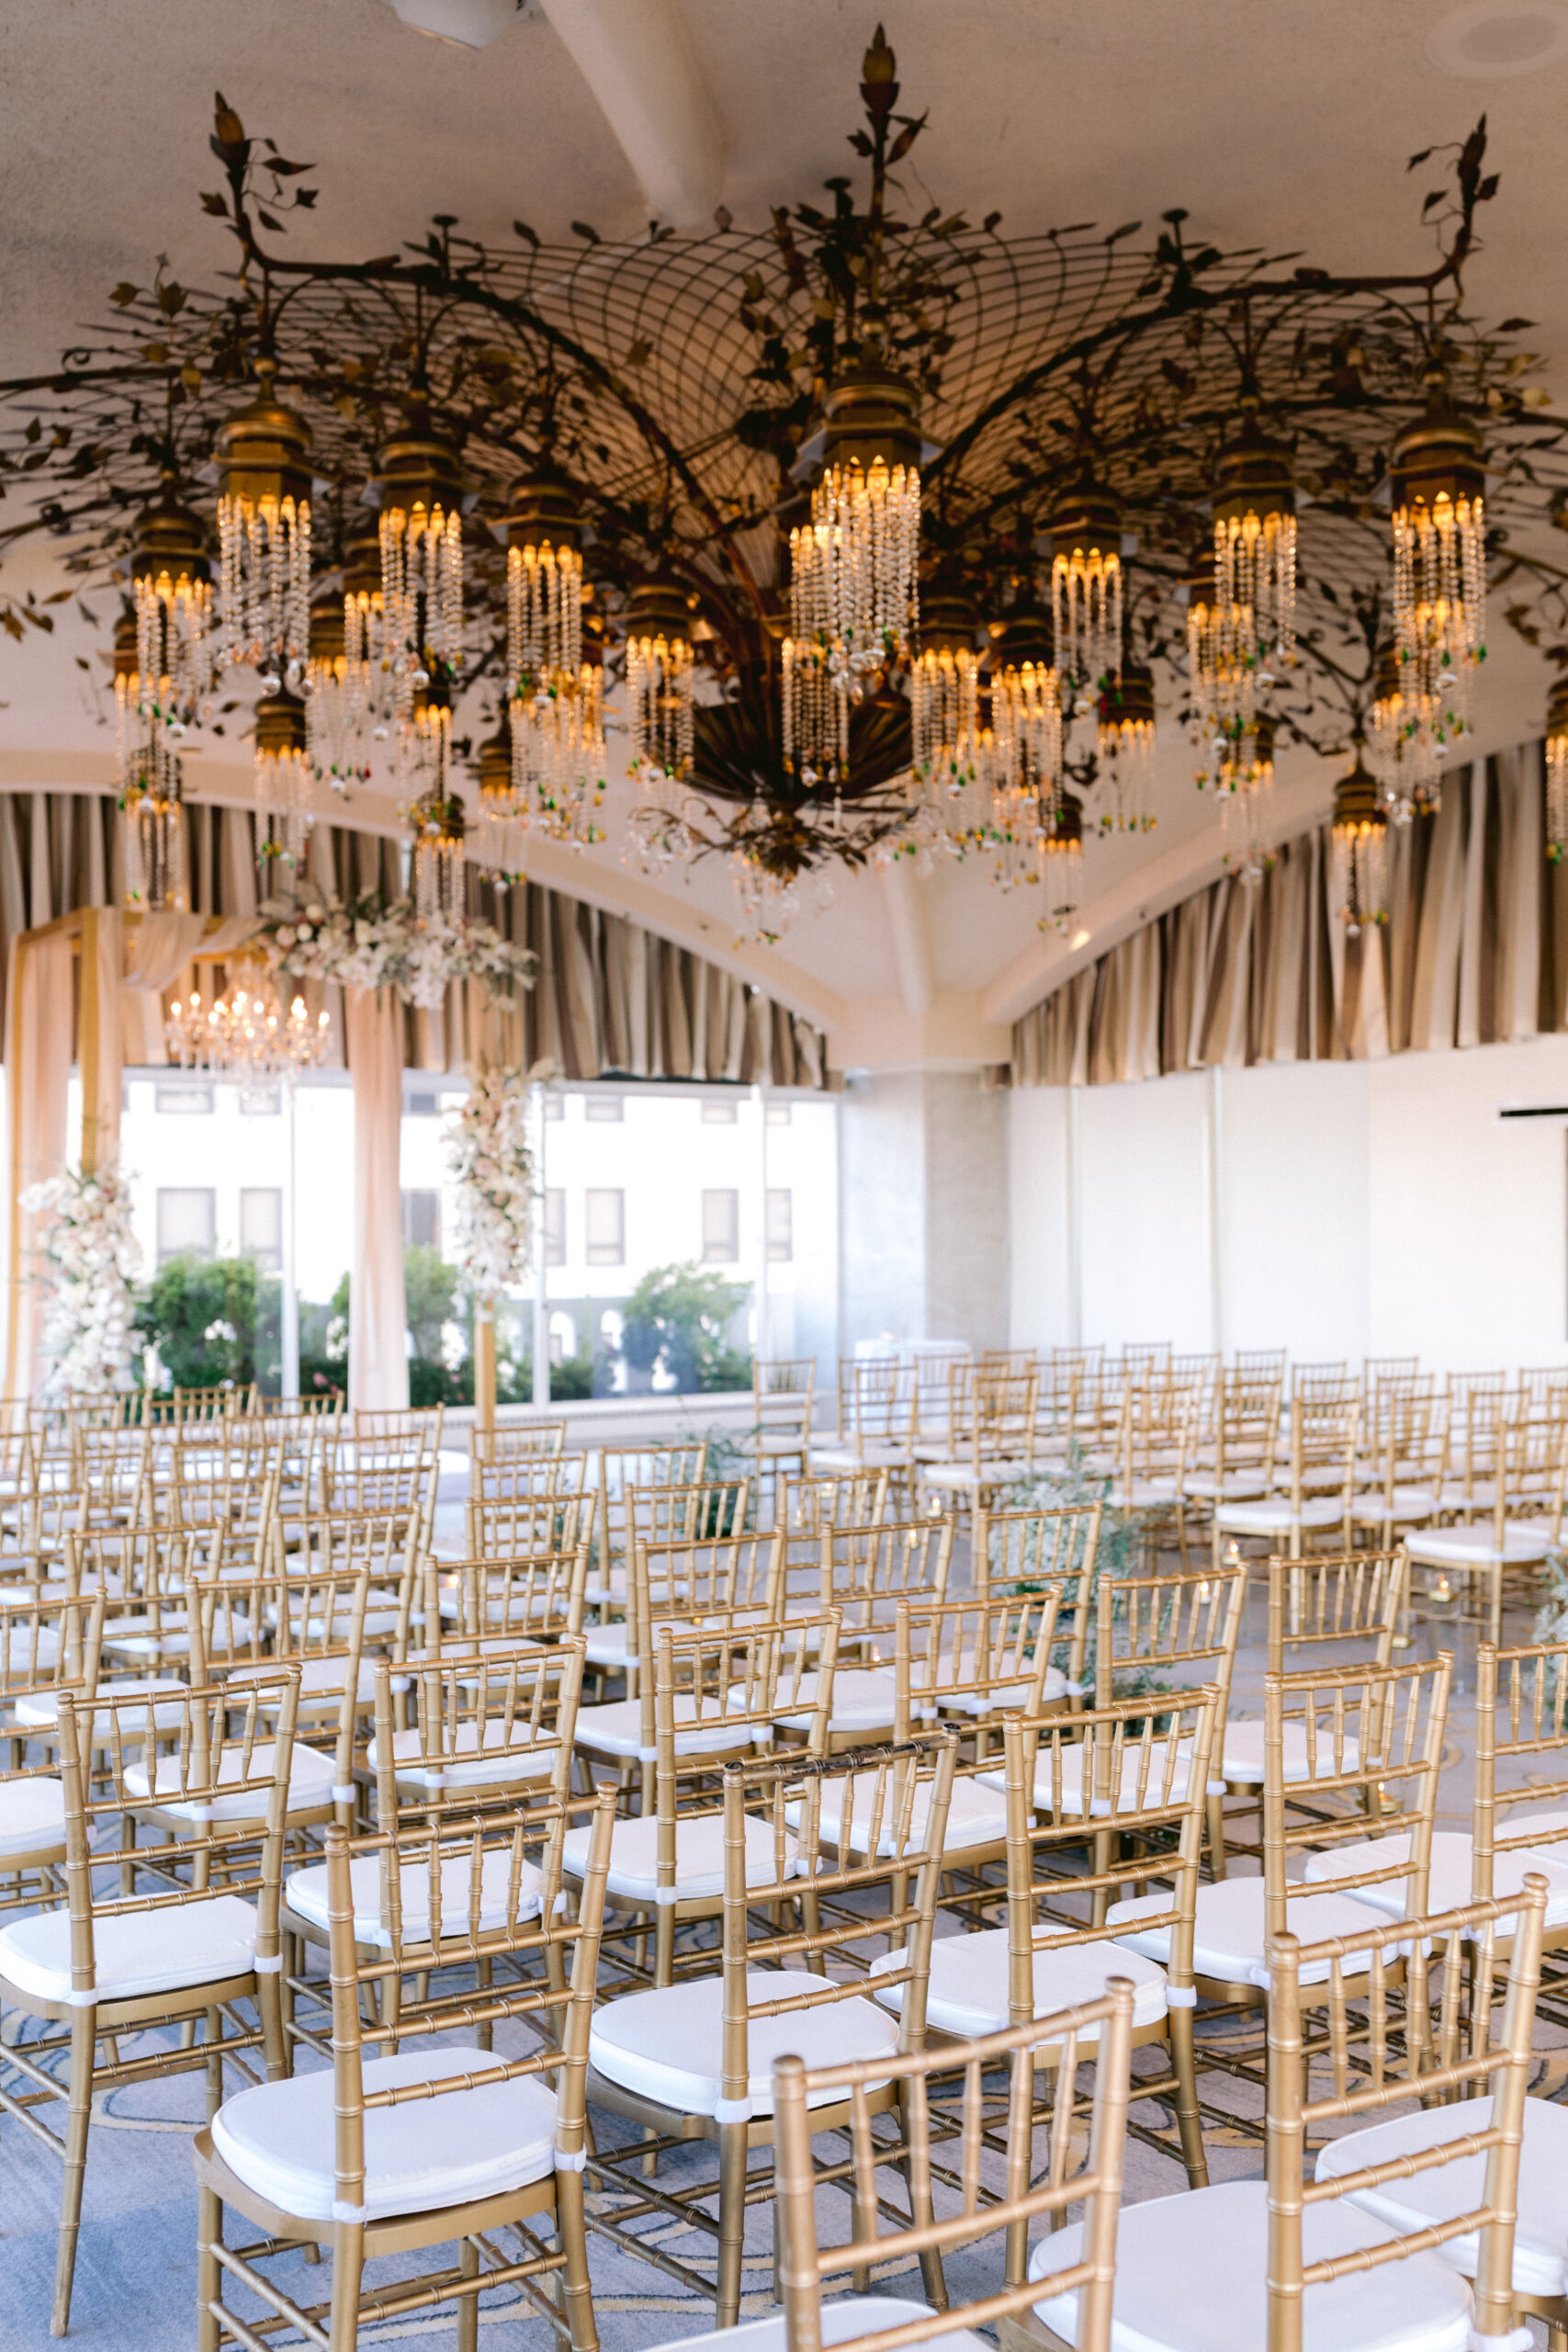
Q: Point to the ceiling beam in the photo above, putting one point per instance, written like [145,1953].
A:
[637,60]
[911,941]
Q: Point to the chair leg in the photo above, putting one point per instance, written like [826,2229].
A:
[1215,1807]
[467,2305]
[1188,2126]
[209,2276]
[732,2153]
[348,2270]
[575,2288]
[78,2120]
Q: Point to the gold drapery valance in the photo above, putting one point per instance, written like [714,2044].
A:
[1475,952]
[612,1000]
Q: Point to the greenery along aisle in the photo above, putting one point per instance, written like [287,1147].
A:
[1120,1553]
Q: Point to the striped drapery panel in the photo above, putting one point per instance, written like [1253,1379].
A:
[611,998]
[1475,952]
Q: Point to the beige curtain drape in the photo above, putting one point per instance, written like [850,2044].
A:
[612,1000]
[41,990]
[378,1355]
[1475,952]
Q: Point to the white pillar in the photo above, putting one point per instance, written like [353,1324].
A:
[289,1318]
[764,1335]
[541,1257]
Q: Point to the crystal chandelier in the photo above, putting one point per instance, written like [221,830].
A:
[172,596]
[263,535]
[439,824]
[1557,773]
[1086,590]
[421,553]
[498,842]
[1125,739]
[950,755]
[1223,678]
[1024,749]
[245,1035]
[556,707]
[152,832]
[283,788]
[1061,862]
[1405,746]
[854,595]
[660,677]
[1359,851]
[1255,553]
[1440,563]
[336,701]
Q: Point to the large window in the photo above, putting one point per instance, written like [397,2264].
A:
[422,1221]
[188,1221]
[182,1095]
[605,1109]
[721,1227]
[781,1224]
[261,1226]
[555,1225]
[606,1225]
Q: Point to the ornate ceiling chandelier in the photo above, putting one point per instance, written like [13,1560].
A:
[871,529]
[244,1035]
[1359,851]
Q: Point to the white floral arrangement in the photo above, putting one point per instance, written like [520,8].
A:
[374,943]
[492,1165]
[91,1255]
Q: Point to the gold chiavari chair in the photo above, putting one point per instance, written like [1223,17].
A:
[476,1604]
[808,1504]
[491,1729]
[1145,1780]
[1164,1631]
[396,2149]
[51,1651]
[877,1417]
[247,1629]
[1375,1742]
[1506,1543]
[971,1660]
[618,1469]
[189,1930]
[997,1448]
[866,1571]
[1364,2255]
[711,1695]
[1316,1491]
[693,2060]
[689,1577]
[1403,1465]
[528,1526]
[784,1396]
[384,1545]
[1237,1465]
[520,1477]
[1086,2267]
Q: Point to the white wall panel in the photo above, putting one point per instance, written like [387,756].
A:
[1037,1197]
[1144,1213]
[1293,1195]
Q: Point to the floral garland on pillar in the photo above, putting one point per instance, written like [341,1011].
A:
[377,943]
[91,1254]
[492,1163]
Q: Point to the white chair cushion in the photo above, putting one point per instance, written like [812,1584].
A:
[1540,2234]
[968,1989]
[135,1953]
[32,1817]
[667,2044]
[699,1857]
[1277,1518]
[976,1815]
[1236,1486]
[305,1892]
[844,2316]
[319,1678]
[470,1765]
[449,2150]
[311,1777]
[1229,1937]
[40,1710]
[608,1645]
[1241,1758]
[1000,1698]
[959,1477]
[1523,1541]
[872,1455]
[864,1698]
[1374,1509]
[617,1730]
[1192,2275]
[1448,1876]
[1044,1795]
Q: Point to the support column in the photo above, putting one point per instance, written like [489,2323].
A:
[924,1187]
[378,1311]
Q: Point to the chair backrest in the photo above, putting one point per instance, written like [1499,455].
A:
[517,1442]
[866,1570]
[1152,1630]
[1098,2030]
[1024,1548]
[1376,1369]
[538,1598]
[1530,1475]
[1142,1781]
[784,1391]
[51,1645]
[1327,1383]
[1351,1978]
[244,1630]
[714,1576]
[1521,1722]
[805,1506]
[876,1401]
[1367,1746]
[620,1469]
[517,1477]
[497,1726]
[526,1526]
[1323,1430]
[681,1514]
[456,1898]
[1346,1603]
[973,1655]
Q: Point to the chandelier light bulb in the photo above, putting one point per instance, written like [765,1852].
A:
[1086,590]
[422,552]
[1438,526]
[1358,852]
[244,1036]
[1405,740]
[337,701]
[1024,750]
[1255,554]
[556,712]
[1124,739]
[283,779]
[951,752]
[660,684]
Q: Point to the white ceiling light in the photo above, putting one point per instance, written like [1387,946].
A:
[470,24]
[1488,41]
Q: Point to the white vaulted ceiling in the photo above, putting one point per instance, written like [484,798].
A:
[1286,128]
